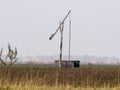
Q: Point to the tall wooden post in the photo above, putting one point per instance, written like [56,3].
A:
[61,44]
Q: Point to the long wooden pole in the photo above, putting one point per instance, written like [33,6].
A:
[60,25]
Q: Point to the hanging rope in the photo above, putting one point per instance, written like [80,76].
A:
[69,37]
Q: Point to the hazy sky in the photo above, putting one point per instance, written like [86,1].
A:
[27,24]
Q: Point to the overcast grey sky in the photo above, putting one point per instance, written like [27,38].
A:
[27,24]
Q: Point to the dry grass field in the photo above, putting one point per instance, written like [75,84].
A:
[51,78]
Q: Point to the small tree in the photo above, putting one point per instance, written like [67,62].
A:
[3,63]
[11,56]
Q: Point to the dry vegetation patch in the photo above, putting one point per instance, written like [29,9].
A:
[51,76]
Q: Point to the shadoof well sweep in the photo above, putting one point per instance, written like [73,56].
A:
[65,63]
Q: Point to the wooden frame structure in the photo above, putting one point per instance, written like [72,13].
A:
[61,28]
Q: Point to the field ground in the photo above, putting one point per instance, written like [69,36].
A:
[51,78]
[45,87]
